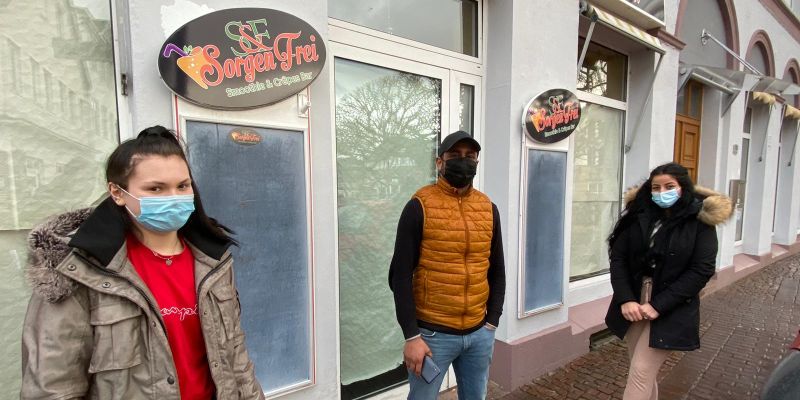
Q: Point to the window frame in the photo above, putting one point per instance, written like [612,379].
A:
[616,105]
[348,32]
[184,111]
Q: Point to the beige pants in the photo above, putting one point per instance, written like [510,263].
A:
[645,363]
[645,360]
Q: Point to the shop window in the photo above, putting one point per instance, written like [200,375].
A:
[43,150]
[598,158]
[451,25]
[690,100]
[739,207]
[603,72]
[742,184]
[466,108]
[273,267]
[597,171]
[542,275]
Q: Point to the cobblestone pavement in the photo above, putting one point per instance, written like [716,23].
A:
[745,329]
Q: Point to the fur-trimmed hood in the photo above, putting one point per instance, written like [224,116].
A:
[48,245]
[98,233]
[717,207]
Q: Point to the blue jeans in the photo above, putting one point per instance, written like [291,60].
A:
[470,355]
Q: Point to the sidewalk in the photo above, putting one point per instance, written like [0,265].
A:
[745,330]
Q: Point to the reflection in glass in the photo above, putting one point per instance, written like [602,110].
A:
[680,108]
[696,96]
[58,107]
[739,207]
[387,128]
[603,72]
[690,100]
[777,186]
[449,24]
[597,183]
[747,125]
[466,108]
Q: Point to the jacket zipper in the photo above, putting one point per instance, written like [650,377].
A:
[106,272]
[212,272]
[466,266]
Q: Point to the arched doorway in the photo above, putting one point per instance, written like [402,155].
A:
[695,18]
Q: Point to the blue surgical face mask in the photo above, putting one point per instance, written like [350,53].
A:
[163,213]
[666,199]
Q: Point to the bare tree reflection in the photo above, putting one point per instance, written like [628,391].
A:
[385,131]
[593,78]
[386,134]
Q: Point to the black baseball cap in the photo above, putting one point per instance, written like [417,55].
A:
[455,137]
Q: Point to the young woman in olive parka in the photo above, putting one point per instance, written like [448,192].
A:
[135,299]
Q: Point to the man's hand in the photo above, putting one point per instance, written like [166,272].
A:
[648,312]
[632,311]
[414,352]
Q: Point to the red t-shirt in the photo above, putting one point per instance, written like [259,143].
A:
[173,287]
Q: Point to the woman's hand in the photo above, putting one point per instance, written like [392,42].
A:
[632,311]
[648,312]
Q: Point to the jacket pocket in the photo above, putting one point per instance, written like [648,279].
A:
[117,337]
[224,299]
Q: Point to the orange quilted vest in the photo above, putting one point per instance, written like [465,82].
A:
[450,284]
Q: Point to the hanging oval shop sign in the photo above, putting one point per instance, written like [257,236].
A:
[241,58]
[552,116]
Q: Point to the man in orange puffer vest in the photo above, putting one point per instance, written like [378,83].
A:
[448,275]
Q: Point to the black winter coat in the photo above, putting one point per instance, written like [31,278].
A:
[688,262]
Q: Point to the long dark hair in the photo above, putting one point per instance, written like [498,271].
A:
[159,141]
[643,202]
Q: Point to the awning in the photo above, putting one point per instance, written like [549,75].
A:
[733,82]
[623,27]
[596,14]
[760,83]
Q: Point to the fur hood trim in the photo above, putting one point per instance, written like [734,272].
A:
[48,245]
[717,207]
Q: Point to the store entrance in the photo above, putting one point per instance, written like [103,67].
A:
[687,127]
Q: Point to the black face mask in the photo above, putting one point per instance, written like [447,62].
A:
[459,172]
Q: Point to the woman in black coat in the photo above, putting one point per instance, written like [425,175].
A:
[663,251]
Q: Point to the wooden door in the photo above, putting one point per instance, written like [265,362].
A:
[687,127]
[687,144]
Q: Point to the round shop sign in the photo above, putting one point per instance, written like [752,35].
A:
[552,116]
[241,58]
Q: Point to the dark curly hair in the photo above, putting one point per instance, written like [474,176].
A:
[643,200]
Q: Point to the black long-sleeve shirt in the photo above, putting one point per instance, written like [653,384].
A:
[406,259]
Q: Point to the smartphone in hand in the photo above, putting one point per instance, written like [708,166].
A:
[429,370]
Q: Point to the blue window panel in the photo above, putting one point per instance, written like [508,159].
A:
[259,191]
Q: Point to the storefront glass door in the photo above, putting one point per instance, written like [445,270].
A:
[388,123]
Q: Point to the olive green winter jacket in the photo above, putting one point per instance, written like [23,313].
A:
[93,330]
